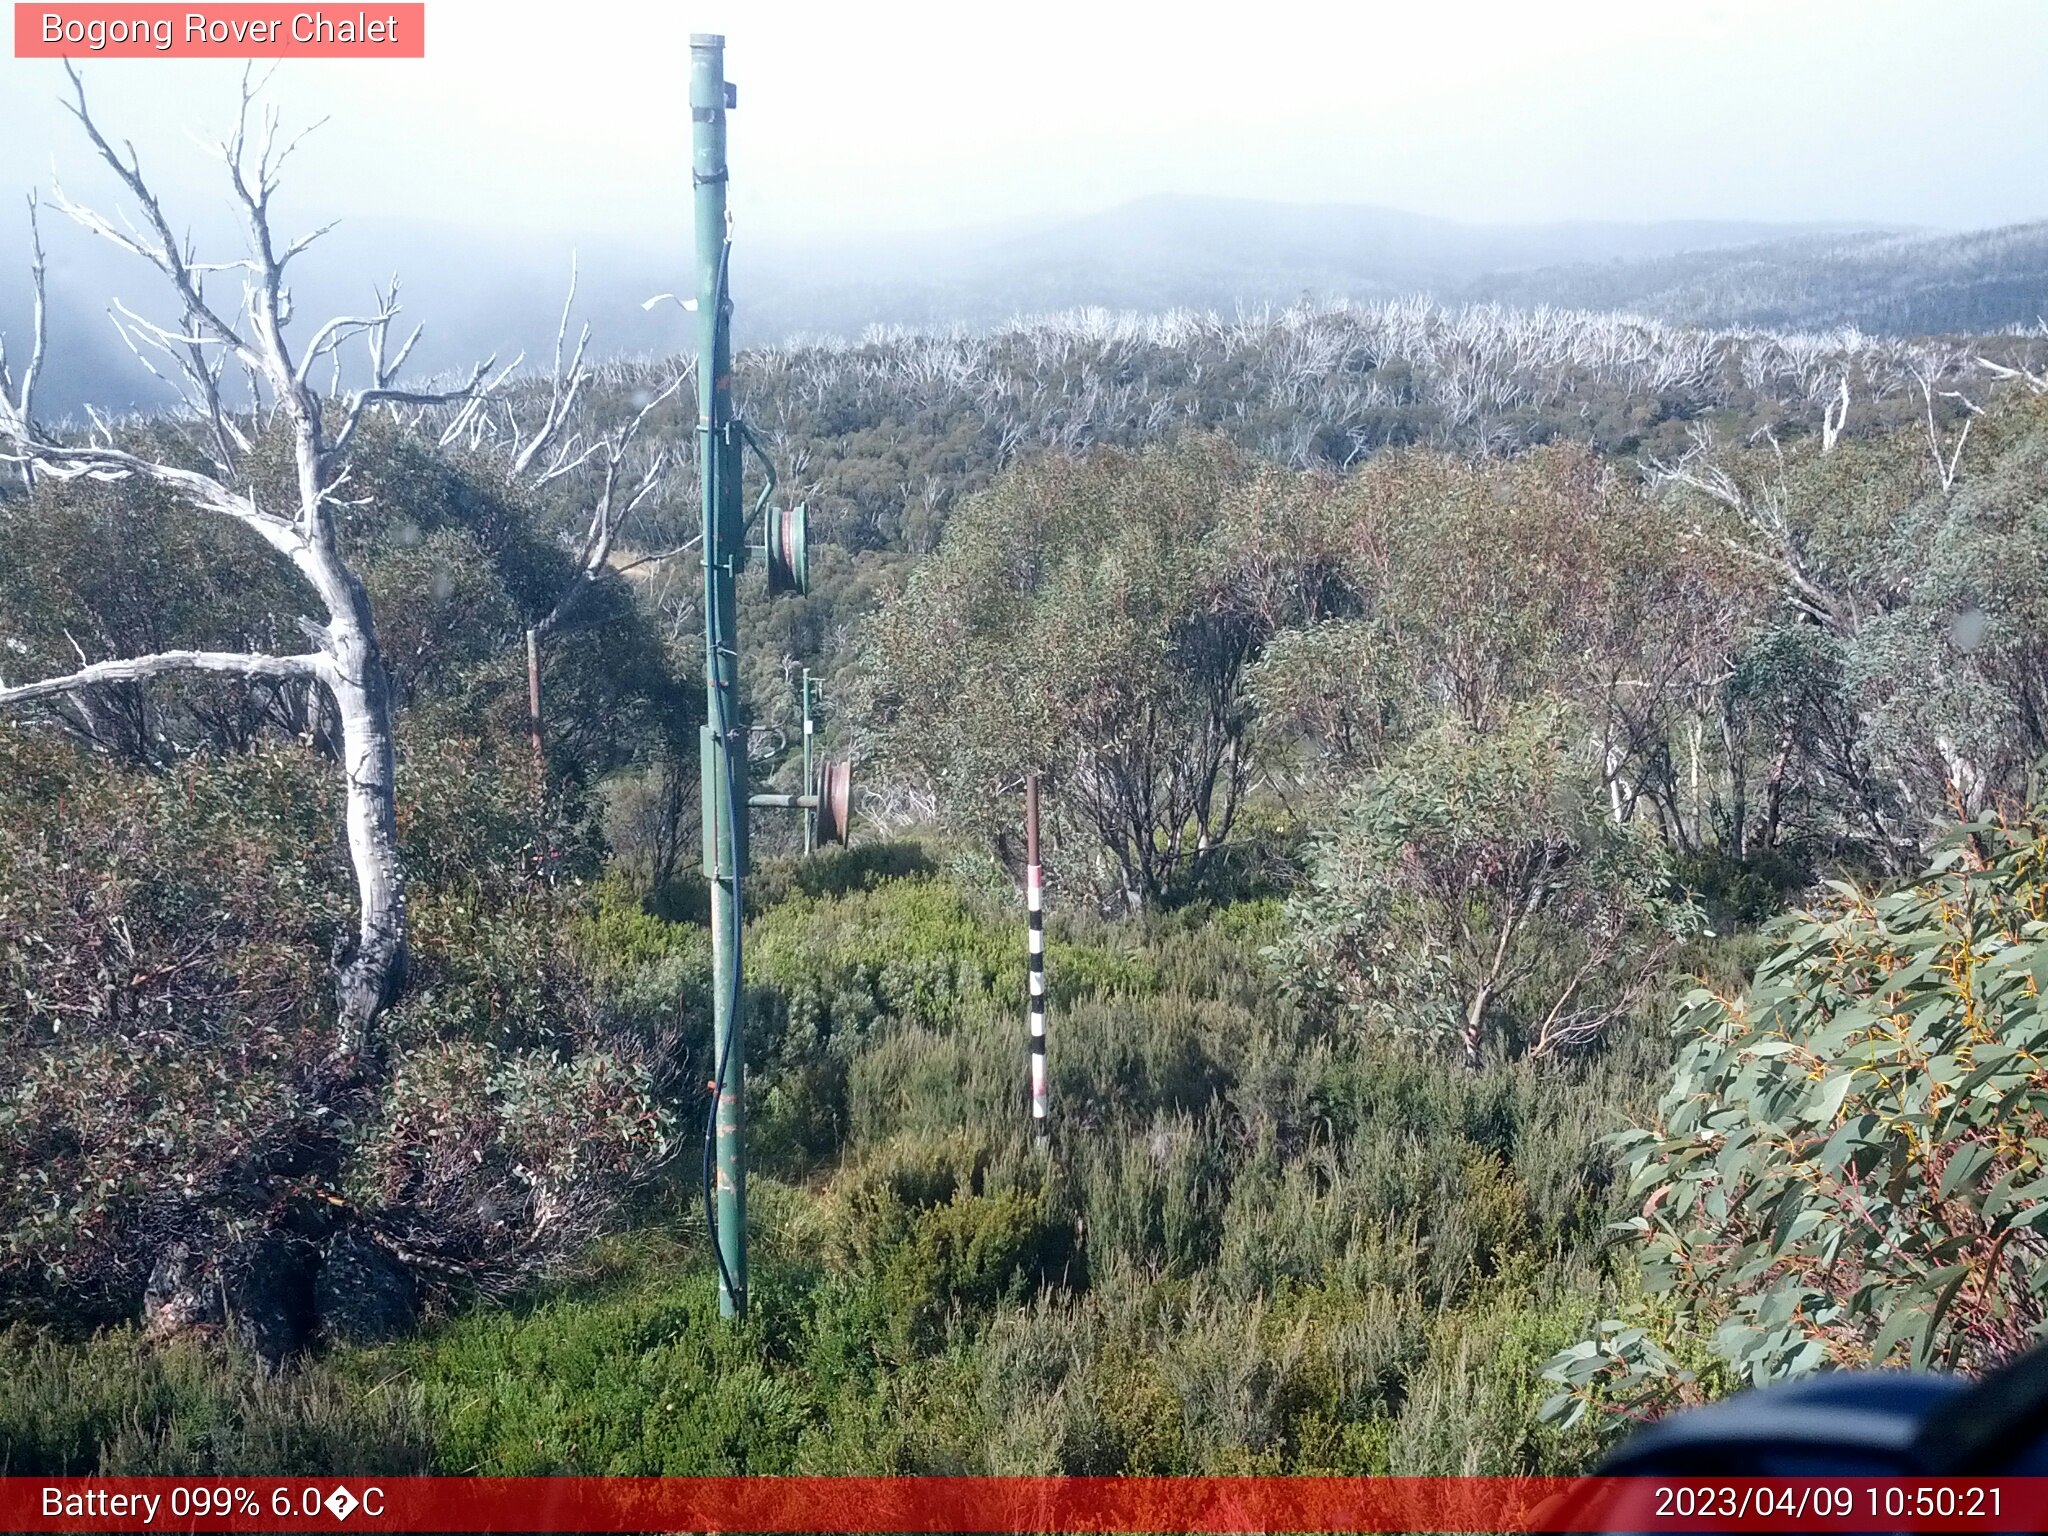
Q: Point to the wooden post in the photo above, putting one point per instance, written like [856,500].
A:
[1035,903]
[543,855]
[810,788]
[533,695]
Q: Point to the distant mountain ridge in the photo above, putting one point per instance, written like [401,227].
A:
[496,292]
[1217,253]
[1911,283]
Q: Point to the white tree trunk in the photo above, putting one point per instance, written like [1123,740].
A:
[370,976]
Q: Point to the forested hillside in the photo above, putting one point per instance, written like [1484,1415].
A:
[1436,709]
[1896,284]
[1235,257]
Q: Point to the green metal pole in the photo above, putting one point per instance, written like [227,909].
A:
[724,746]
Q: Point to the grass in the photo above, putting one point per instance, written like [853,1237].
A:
[1254,1247]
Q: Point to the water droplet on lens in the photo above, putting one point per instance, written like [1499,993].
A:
[1967,629]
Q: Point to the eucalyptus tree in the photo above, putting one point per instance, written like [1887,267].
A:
[1845,1169]
[1902,637]
[1091,619]
[221,471]
[1473,890]
[1482,587]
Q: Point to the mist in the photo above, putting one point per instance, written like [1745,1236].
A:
[931,165]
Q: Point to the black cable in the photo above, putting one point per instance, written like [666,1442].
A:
[730,828]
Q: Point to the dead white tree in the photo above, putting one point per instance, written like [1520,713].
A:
[343,658]
[1945,464]
[2036,382]
[1769,535]
[550,450]
[621,492]
[1833,417]
[20,400]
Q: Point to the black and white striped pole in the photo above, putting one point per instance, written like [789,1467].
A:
[810,730]
[1034,899]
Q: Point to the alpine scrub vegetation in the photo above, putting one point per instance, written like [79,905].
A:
[1258,1247]
[1849,1167]
[1092,619]
[162,966]
[1476,890]
[1412,690]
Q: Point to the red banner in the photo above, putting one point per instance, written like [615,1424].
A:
[234,31]
[1022,1504]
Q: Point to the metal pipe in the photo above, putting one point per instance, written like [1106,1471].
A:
[785,802]
[724,816]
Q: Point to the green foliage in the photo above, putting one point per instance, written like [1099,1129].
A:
[646,1382]
[125,570]
[1341,690]
[1091,619]
[1253,1249]
[915,1260]
[120,1405]
[160,992]
[165,1000]
[1847,1167]
[1262,1240]
[1476,889]
[1905,669]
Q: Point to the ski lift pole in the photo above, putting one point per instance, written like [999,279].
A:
[723,741]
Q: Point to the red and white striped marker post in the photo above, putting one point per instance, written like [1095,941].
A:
[1034,886]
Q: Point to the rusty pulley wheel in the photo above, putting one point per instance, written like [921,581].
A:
[789,555]
[835,803]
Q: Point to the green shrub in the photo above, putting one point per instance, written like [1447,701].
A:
[120,1405]
[1847,1166]
[1472,1409]
[1153,1194]
[166,1001]
[1478,891]
[645,1382]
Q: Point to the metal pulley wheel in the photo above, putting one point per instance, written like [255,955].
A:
[789,560]
[835,802]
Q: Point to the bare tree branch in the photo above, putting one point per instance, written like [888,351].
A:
[1765,515]
[563,391]
[608,515]
[23,403]
[1945,467]
[135,669]
[363,399]
[162,249]
[2038,383]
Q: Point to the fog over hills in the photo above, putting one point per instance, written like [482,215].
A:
[485,293]
[1204,252]
[1903,284]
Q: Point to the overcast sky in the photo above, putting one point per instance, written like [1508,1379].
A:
[872,115]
